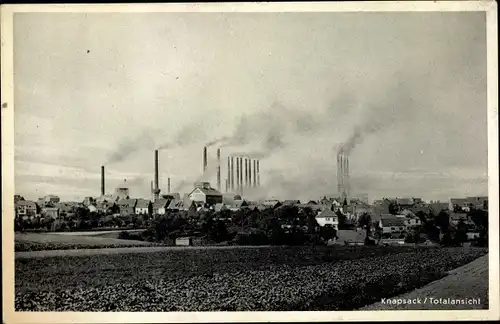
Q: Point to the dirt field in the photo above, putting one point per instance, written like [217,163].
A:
[467,282]
[71,239]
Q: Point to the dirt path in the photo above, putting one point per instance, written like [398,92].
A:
[468,283]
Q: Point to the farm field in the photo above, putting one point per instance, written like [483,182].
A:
[38,242]
[468,281]
[259,279]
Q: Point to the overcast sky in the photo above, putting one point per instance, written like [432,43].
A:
[93,89]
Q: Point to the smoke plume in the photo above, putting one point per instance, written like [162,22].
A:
[130,146]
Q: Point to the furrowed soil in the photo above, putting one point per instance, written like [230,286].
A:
[244,279]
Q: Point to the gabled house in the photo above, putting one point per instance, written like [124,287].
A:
[127,206]
[26,208]
[394,226]
[459,204]
[328,217]
[107,207]
[160,206]
[273,203]
[220,207]
[143,207]
[204,193]
[51,212]
[238,204]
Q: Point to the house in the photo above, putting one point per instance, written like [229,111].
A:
[107,207]
[455,218]
[237,205]
[176,205]
[50,212]
[143,207]
[92,209]
[478,202]
[273,203]
[328,217]
[458,204]
[127,206]
[26,208]
[160,206]
[220,207]
[412,222]
[393,226]
[203,192]
[291,202]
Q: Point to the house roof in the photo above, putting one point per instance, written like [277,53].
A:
[161,203]
[27,203]
[404,201]
[291,202]
[50,209]
[392,221]
[143,203]
[208,191]
[127,203]
[459,201]
[326,213]
[220,206]
[176,204]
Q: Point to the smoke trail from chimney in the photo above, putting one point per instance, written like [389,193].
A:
[103,189]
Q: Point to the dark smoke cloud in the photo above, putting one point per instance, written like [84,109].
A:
[129,146]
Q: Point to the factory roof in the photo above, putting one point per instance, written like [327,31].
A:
[143,203]
[207,191]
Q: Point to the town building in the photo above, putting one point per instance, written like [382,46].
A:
[328,217]
[392,226]
[26,208]
[127,206]
[143,207]
[204,193]
[160,206]
[51,212]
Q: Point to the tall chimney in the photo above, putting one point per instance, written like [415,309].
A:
[231,181]
[254,173]
[246,172]
[168,185]
[204,159]
[238,183]
[103,189]
[339,174]
[228,180]
[249,172]
[218,169]
[258,173]
[241,175]
[156,192]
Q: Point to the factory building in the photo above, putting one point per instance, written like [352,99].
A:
[204,193]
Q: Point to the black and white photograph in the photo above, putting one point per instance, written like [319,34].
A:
[221,158]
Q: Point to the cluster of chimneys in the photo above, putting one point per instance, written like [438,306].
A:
[155,185]
[343,185]
[246,175]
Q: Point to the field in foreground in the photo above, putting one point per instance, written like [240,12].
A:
[267,279]
[470,281]
[42,242]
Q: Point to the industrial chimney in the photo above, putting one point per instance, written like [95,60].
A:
[218,169]
[241,176]
[254,173]
[156,191]
[228,180]
[103,189]
[258,173]
[249,173]
[238,172]
[168,185]
[231,181]
[204,159]
[246,172]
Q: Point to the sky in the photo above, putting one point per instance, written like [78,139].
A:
[407,91]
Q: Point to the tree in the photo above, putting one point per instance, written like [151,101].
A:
[461,232]
[443,221]
[328,232]
[342,219]
[364,221]
[393,208]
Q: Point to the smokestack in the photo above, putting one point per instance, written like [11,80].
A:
[238,172]
[231,181]
[246,172]
[254,173]
[103,189]
[339,174]
[156,191]
[258,173]
[241,175]
[249,172]
[168,185]
[218,169]
[228,179]
[204,159]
